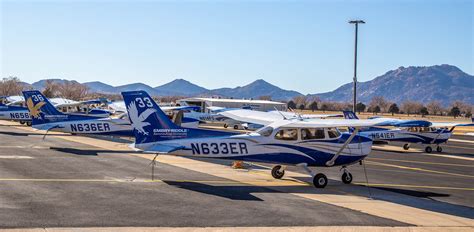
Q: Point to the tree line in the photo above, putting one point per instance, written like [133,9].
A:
[379,104]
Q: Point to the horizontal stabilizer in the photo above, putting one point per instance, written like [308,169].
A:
[165,148]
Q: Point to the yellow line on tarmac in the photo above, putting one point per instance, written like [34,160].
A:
[59,180]
[227,182]
[418,169]
[414,186]
[422,162]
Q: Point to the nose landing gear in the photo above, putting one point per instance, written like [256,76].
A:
[346,176]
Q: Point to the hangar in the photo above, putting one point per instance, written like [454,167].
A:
[260,105]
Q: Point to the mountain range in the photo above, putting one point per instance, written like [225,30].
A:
[444,83]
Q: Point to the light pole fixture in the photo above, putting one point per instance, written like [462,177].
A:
[356,23]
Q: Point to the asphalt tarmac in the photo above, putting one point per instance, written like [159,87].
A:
[60,182]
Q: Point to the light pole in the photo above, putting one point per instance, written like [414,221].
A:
[356,22]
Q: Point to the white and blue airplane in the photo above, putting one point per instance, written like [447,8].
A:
[411,131]
[299,142]
[15,109]
[15,112]
[45,116]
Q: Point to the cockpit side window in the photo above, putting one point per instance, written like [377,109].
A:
[333,133]
[266,131]
[287,134]
[312,133]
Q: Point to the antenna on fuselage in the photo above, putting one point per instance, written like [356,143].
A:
[281,113]
[297,114]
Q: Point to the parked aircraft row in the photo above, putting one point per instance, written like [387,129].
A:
[285,138]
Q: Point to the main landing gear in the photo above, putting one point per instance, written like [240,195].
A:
[319,180]
[406,146]
[278,171]
[428,149]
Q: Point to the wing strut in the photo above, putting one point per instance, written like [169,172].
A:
[331,162]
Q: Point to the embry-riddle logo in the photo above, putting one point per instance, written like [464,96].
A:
[138,121]
[35,110]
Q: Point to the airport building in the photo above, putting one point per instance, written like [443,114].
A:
[260,105]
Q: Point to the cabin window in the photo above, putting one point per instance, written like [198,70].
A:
[333,133]
[266,131]
[313,133]
[287,134]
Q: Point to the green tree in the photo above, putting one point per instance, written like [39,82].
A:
[324,107]
[291,104]
[424,111]
[302,106]
[455,112]
[360,107]
[393,109]
[313,106]
[377,109]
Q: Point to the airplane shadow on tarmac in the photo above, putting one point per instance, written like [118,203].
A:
[236,192]
[91,152]
[28,134]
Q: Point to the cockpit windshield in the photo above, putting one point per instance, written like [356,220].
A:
[265,131]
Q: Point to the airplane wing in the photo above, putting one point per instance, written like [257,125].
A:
[305,116]
[171,108]
[450,124]
[325,123]
[252,116]
[62,102]
[165,148]
[118,106]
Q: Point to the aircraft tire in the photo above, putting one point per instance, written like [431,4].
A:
[29,123]
[320,180]
[406,146]
[346,177]
[236,127]
[439,149]
[276,173]
[225,125]
[22,122]
[428,149]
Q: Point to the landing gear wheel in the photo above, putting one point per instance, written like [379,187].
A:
[225,125]
[439,149]
[320,180]
[236,127]
[428,149]
[346,177]
[22,122]
[29,123]
[406,146]
[276,173]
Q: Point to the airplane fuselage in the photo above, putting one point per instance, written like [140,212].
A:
[15,113]
[91,126]
[256,148]
[403,135]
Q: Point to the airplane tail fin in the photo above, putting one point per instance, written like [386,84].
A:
[41,109]
[348,114]
[151,124]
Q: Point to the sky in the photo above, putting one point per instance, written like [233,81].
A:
[307,46]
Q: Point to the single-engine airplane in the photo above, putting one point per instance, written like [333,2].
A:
[299,142]
[411,131]
[45,116]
